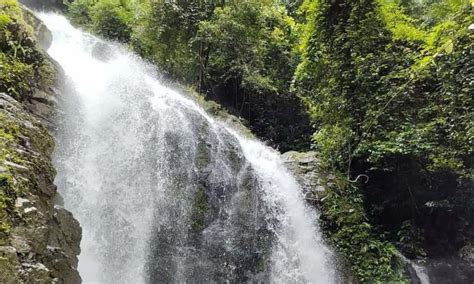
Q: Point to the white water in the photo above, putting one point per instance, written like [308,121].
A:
[420,271]
[129,161]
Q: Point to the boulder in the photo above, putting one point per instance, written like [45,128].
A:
[467,254]
[305,166]
[42,34]
[102,51]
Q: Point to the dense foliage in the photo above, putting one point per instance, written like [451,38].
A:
[22,66]
[389,87]
[240,54]
[110,19]
[369,256]
[379,86]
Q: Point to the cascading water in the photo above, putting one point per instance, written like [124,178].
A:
[164,192]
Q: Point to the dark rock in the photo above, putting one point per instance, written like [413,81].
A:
[223,234]
[102,51]
[66,234]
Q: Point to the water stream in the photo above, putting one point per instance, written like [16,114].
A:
[163,191]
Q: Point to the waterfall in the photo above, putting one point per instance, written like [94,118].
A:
[418,272]
[163,191]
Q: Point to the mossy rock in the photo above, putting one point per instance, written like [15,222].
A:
[24,66]
[8,265]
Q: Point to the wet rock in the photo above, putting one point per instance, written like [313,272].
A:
[30,211]
[35,273]
[101,51]
[37,223]
[9,265]
[41,32]
[66,233]
[449,270]
[58,199]
[467,254]
[438,204]
[41,109]
[44,97]
[43,101]
[225,221]
[20,244]
[61,270]
[21,203]
[16,166]
[28,239]
[306,168]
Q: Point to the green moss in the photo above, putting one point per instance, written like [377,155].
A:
[16,182]
[7,203]
[203,157]
[11,8]
[8,194]
[23,67]
[8,139]
[46,74]
[199,210]
[12,75]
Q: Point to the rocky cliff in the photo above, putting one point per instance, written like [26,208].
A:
[39,241]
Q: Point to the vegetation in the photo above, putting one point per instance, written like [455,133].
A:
[389,86]
[110,19]
[22,66]
[23,69]
[345,222]
[7,193]
[376,85]
[239,54]
[359,66]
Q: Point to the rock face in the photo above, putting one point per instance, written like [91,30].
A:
[306,168]
[40,31]
[39,242]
